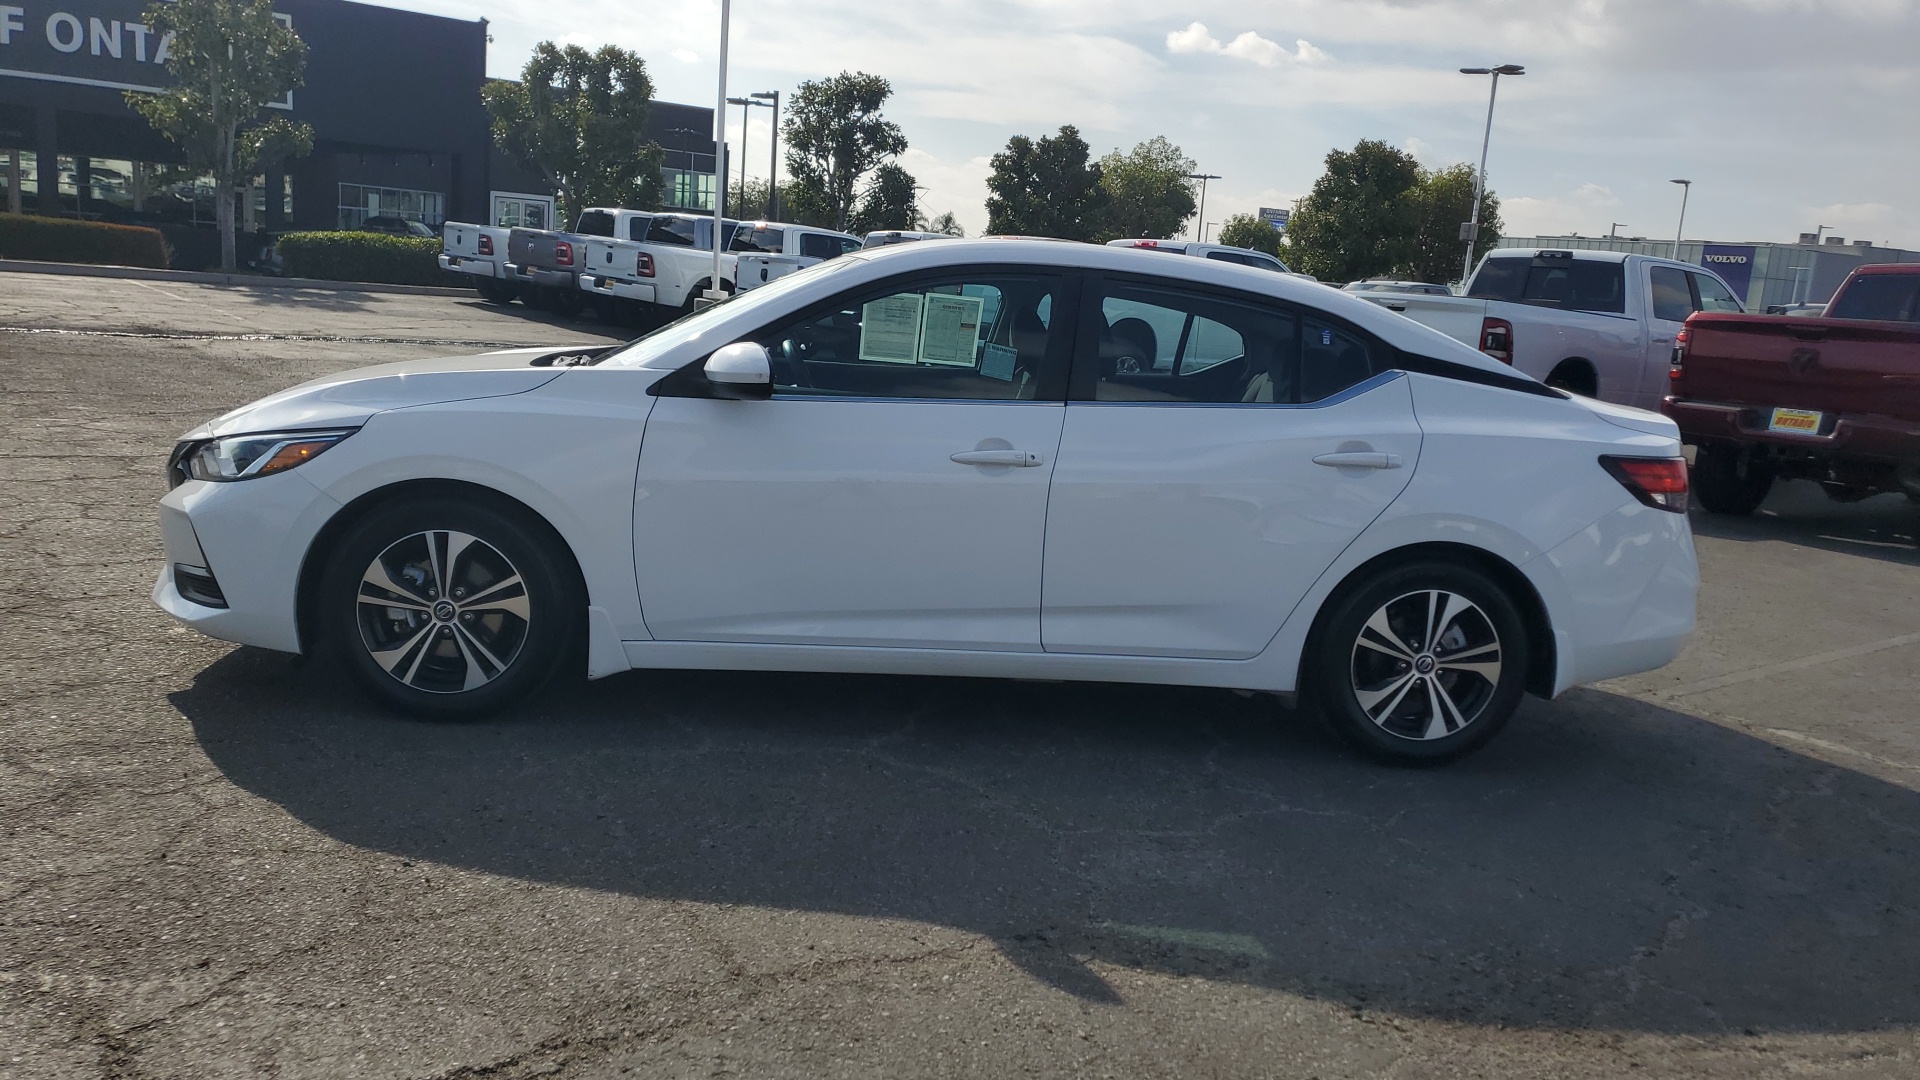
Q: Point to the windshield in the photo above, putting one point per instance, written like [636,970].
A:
[640,350]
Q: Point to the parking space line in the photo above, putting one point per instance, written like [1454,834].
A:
[1817,659]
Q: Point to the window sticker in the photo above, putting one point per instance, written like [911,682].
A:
[1326,337]
[890,329]
[950,330]
[996,361]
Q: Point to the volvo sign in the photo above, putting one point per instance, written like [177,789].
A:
[1734,264]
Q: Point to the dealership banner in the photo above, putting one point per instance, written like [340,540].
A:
[1734,264]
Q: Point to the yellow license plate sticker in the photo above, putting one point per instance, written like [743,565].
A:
[1795,421]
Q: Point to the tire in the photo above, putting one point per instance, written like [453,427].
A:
[1375,677]
[1729,480]
[567,303]
[451,608]
[493,292]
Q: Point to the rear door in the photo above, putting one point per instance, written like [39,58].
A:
[1219,451]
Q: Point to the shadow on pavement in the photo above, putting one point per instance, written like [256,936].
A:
[1798,512]
[1605,864]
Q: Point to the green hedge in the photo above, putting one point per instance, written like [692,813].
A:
[46,239]
[362,256]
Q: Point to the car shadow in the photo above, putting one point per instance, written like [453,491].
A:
[1604,864]
[1799,512]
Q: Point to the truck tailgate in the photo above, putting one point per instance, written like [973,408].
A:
[1823,365]
[1458,317]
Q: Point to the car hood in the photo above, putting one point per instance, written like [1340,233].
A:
[1652,423]
[348,398]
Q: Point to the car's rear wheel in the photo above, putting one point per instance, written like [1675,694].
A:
[495,292]
[450,608]
[1730,479]
[1421,664]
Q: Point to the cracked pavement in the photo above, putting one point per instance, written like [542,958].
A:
[217,862]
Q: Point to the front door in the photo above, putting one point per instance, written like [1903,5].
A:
[892,492]
[1218,455]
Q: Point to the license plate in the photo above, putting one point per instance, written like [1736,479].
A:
[1795,421]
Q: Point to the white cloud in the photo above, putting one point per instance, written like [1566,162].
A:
[1421,150]
[686,56]
[1249,46]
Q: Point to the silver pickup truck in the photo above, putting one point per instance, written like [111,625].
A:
[1595,323]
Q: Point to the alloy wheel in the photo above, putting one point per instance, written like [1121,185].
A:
[1426,664]
[443,611]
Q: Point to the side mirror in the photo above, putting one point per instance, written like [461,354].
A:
[740,370]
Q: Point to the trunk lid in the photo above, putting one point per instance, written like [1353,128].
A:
[1824,365]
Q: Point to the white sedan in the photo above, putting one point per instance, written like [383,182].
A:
[1004,458]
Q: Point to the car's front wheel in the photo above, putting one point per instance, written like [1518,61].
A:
[450,608]
[1420,664]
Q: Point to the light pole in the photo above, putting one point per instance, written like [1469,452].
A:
[720,170]
[1470,231]
[744,103]
[773,165]
[1818,229]
[1686,188]
[1200,219]
[1614,232]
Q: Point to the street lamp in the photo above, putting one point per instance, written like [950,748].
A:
[1686,188]
[1470,231]
[773,166]
[1199,219]
[713,294]
[744,102]
[1615,231]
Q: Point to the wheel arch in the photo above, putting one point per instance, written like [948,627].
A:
[1577,369]
[313,564]
[1542,660]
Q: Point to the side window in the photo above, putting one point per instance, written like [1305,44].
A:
[1672,300]
[848,243]
[637,227]
[1175,345]
[977,338]
[1226,256]
[819,246]
[1713,295]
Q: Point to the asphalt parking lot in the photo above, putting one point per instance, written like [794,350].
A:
[217,862]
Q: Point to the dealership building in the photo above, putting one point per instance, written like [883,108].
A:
[393,98]
[1762,274]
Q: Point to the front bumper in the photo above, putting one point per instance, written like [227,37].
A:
[251,537]
[1882,438]
[481,267]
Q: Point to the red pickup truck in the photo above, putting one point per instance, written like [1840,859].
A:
[1834,399]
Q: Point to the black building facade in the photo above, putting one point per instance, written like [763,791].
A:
[393,98]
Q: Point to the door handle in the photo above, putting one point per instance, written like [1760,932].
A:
[1019,459]
[1359,459]
[1394,307]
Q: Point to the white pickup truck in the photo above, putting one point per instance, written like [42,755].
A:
[671,263]
[478,251]
[1595,323]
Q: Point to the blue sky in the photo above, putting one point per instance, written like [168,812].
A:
[1786,114]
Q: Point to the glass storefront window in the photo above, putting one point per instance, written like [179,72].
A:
[684,189]
[358,202]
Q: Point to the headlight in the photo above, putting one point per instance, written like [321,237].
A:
[243,457]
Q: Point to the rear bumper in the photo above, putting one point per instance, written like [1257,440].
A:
[1880,438]
[625,290]
[540,276]
[482,267]
[1620,594]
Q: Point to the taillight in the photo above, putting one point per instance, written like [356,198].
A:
[1658,482]
[643,264]
[486,245]
[1679,361]
[1146,243]
[1496,339]
[562,253]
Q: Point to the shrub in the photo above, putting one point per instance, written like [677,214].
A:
[28,236]
[362,256]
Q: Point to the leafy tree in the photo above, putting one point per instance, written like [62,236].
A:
[1046,188]
[946,223]
[1250,231]
[835,137]
[577,117]
[747,199]
[229,59]
[1148,190]
[1441,202]
[891,201]
[1360,219]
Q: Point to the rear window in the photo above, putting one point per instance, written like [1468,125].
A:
[594,223]
[1570,284]
[666,230]
[763,239]
[1886,297]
